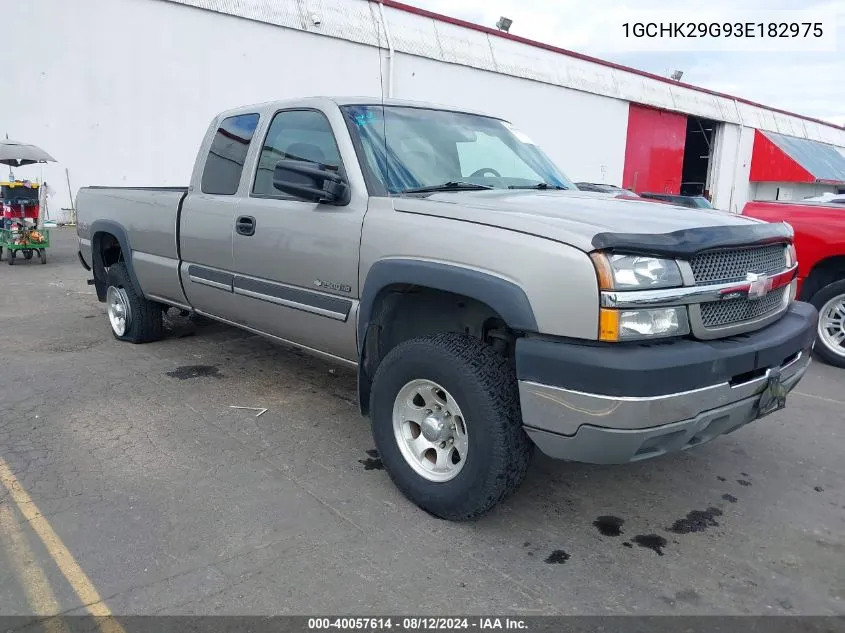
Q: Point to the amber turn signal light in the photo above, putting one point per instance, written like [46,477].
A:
[608,325]
[603,271]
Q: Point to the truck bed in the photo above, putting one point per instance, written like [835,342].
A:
[149,218]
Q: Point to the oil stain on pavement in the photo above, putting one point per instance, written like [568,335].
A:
[696,521]
[557,557]
[195,371]
[609,525]
[654,542]
[373,462]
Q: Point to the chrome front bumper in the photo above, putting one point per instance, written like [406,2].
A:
[585,427]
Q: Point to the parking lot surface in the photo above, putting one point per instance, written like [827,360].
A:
[163,499]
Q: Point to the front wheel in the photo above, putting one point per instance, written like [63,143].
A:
[447,425]
[132,317]
[27,255]
[42,255]
[830,343]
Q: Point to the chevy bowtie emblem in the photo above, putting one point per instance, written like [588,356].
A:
[758,285]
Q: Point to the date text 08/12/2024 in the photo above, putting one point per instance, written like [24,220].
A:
[416,623]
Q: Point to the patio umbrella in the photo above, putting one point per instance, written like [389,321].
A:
[17,154]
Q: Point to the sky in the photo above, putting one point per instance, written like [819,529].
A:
[811,83]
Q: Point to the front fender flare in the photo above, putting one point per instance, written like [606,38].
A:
[503,296]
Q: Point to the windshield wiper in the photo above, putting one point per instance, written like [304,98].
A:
[539,185]
[452,185]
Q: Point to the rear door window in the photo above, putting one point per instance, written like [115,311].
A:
[225,162]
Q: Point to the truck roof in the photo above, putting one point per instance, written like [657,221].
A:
[324,101]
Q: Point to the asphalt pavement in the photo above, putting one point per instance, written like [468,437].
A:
[129,482]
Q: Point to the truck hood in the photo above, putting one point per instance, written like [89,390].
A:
[571,217]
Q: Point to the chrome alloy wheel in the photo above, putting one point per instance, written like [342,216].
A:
[430,430]
[832,325]
[118,309]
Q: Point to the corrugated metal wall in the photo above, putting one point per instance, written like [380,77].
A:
[417,35]
[121,91]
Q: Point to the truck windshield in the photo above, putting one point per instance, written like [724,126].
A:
[407,148]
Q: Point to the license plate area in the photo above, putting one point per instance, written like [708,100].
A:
[773,397]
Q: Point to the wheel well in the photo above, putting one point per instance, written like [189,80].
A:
[106,251]
[109,249]
[401,312]
[823,273]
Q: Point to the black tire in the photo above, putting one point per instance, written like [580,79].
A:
[27,255]
[11,258]
[485,388]
[145,317]
[822,349]
[42,255]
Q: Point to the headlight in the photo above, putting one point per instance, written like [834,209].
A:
[628,325]
[791,256]
[635,272]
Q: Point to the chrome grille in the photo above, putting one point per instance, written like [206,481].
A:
[719,313]
[733,265]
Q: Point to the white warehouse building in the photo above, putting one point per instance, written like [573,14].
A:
[121,93]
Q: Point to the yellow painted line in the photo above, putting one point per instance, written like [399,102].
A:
[78,579]
[39,594]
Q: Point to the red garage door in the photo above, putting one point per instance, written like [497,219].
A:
[654,152]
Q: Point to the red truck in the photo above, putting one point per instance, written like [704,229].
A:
[820,245]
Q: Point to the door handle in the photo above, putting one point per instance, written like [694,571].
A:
[245,225]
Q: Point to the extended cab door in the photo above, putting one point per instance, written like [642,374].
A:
[207,218]
[296,262]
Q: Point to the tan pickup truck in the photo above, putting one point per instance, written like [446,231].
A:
[487,303]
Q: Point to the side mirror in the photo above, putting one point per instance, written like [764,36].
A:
[313,182]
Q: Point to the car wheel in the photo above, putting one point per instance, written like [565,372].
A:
[132,317]
[447,425]
[830,343]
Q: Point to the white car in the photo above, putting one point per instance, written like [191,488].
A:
[828,198]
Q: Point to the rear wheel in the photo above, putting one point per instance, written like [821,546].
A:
[830,302]
[27,254]
[132,317]
[11,257]
[42,255]
[446,422]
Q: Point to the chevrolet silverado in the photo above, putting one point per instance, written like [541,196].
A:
[487,305]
